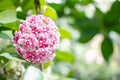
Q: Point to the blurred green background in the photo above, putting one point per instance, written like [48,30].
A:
[90,40]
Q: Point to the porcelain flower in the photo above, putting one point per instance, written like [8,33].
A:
[37,39]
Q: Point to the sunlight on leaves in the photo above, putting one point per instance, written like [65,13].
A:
[65,56]
[8,16]
[65,33]
[50,12]
[8,56]
[4,36]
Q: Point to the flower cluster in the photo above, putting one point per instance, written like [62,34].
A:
[37,39]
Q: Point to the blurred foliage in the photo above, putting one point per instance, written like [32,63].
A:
[102,23]
[66,65]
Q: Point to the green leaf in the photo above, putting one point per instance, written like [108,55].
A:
[47,64]
[88,24]
[8,16]
[107,48]
[8,56]
[116,28]
[99,14]
[4,36]
[71,73]
[65,34]
[65,56]
[4,28]
[32,73]
[27,5]
[59,8]
[16,2]
[10,49]
[42,2]
[12,25]
[50,12]
[85,2]
[87,35]
[112,17]
[21,15]
[71,3]
[6,4]
[3,60]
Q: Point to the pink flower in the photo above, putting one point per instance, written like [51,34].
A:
[23,27]
[20,50]
[17,37]
[30,56]
[33,21]
[45,56]
[37,39]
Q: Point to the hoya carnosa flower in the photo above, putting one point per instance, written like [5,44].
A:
[37,39]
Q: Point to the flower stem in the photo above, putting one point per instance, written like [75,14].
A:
[41,67]
[37,6]
[38,11]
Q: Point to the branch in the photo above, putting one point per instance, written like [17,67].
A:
[37,6]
